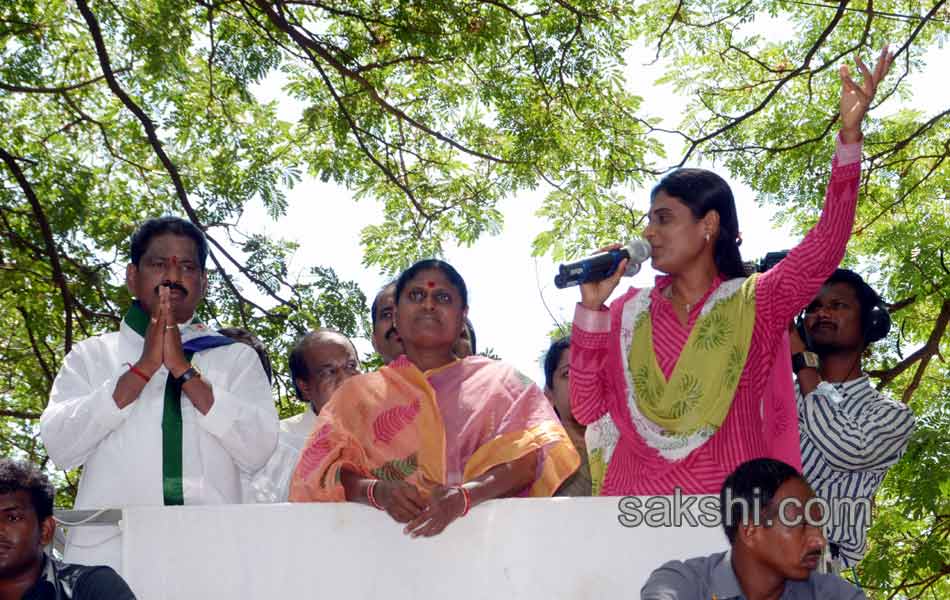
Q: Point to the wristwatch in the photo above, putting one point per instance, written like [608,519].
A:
[805,359]
[187,376]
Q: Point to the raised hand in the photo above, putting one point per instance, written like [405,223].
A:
[856,99]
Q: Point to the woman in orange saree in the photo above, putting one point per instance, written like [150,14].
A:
[430,435]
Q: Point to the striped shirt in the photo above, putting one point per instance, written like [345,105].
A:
[850,435]
[758,424]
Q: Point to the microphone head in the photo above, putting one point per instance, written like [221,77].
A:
[632,269]
[639,250]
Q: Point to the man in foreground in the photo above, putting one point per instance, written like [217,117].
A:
[27,572]
[773,523]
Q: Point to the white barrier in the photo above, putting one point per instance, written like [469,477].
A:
[514,549]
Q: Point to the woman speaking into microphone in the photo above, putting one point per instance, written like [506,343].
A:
[678,383]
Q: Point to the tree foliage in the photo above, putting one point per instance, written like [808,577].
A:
[116,110]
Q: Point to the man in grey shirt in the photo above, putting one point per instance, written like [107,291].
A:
[774,525]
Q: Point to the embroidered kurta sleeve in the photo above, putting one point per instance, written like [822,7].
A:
[873,439]
[81,411]
[787,288]
[243,416]
[588,371]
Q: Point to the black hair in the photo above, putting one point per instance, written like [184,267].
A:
[471,335]
[16,475]
[246,337]
[296,362]
[162,225]
[374,308]
[440,265]
[702,191]
[753,483]
[867,297]
[553,357]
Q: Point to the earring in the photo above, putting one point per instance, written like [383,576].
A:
[706,237]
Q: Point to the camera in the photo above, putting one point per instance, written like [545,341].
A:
[768,261]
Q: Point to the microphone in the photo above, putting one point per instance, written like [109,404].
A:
[603,264]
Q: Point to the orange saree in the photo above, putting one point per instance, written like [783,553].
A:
[442,427]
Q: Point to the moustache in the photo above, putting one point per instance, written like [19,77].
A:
[172,285]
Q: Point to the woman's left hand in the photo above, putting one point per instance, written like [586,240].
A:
[445,505]
[856,99]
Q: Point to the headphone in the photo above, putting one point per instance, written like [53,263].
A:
[876,322]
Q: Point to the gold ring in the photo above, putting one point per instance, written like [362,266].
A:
[170,326]
[154,320]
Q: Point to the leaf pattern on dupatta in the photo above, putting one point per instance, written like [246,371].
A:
[730,376]
[646,390]
[315,452]
[713,330]
[690,393]
[397,469]
[393,420]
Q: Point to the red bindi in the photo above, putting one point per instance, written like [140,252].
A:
[174,261]
[430,284]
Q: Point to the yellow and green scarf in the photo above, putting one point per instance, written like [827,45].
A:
[700,390]
[678,415]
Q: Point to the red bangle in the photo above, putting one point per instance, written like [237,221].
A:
[138,372]
[371,495]
[467,497]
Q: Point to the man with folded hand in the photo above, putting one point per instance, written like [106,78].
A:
[165,410]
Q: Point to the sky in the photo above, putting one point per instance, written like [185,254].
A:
[513,302]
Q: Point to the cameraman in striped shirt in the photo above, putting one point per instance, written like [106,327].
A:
[850,433]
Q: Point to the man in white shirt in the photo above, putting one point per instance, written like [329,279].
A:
[165,410]
[320,362]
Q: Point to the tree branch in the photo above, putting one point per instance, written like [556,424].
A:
[19,414]
[104,62]
[49,241]
[150,132]
[768,98]
[281,23]
[36,349]
[923,354]
[53,90]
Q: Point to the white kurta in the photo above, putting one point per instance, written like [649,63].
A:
[121,450]
[272,482]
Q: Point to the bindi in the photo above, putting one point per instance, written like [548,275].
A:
[174,260]
[430,284]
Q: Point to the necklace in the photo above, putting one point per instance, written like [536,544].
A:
[668,292]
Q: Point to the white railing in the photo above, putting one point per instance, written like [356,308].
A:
[513,549]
